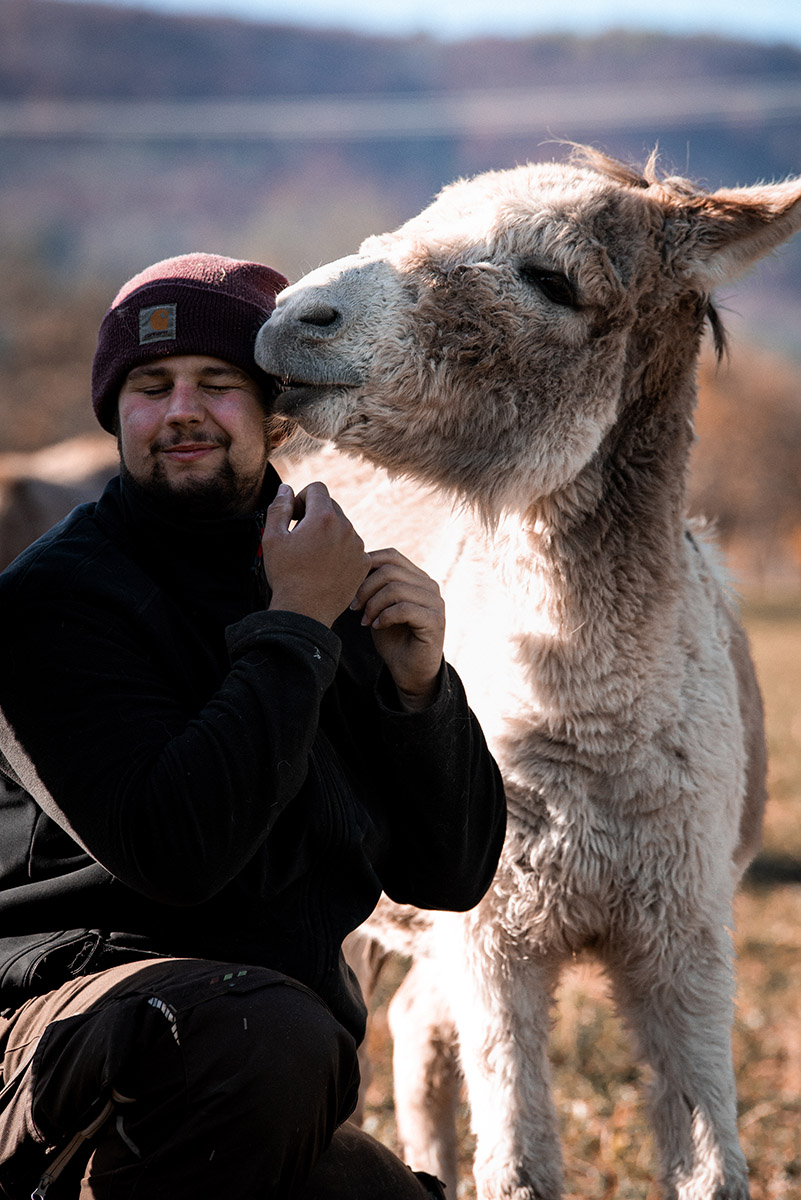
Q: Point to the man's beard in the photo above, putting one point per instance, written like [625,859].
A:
[224,494]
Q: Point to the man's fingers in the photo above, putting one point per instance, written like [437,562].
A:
[314,498]
[419,604]
[396,578]
[281,511]
[406,614]
[389,556]
[315,566]
[287,507]
[424,624]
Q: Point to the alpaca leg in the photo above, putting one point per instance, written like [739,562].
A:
[503,1023]
[366,958]
[426,1075]
[678,1002]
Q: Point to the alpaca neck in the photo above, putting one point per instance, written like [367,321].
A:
[611,545]
[598,670]
[582,594]
[619,561]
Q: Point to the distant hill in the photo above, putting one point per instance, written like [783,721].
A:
[50,49]
[127,135]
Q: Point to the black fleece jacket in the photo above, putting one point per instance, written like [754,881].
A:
[192,774]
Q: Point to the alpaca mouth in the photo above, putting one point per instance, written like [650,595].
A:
[293,395]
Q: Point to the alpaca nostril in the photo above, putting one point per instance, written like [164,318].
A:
[321,315]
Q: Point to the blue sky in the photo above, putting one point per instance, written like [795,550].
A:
[762,20]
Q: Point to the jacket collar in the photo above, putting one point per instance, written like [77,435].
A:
[214,563]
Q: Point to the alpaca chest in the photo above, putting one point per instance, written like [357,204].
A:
[495,605]
[592,857]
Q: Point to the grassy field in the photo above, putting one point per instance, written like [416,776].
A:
[608,1148]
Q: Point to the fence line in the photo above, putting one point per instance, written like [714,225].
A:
[541,111]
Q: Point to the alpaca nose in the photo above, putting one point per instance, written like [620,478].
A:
[314,318]
[322,315]
[302,339]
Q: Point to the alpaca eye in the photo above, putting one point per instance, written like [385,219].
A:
[554,286]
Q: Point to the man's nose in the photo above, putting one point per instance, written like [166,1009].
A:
[185,405]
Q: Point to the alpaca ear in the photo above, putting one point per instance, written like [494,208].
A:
[715,237]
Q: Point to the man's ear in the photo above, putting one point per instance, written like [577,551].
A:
[714,237]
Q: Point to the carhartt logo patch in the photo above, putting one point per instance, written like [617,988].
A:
[157,324]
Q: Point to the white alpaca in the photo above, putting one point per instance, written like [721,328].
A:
[527,346]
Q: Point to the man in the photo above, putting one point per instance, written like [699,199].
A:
[225,729]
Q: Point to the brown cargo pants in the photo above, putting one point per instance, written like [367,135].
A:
[197,1080]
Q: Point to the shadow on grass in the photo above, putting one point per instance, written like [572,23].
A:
[768,870]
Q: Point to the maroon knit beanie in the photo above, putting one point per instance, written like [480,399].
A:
[193,304]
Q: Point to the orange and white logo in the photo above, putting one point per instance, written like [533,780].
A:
[157,323]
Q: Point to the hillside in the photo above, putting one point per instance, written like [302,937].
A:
[50,49]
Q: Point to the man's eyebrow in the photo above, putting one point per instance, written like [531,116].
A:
[162,372]
[216,372]
[144,372]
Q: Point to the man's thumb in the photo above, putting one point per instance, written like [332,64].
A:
[281,510]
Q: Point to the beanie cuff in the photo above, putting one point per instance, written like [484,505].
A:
[171,317]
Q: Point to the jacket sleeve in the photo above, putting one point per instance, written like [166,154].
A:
[170,801]
[438,792]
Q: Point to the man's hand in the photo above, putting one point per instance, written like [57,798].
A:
[406,614]
[316,567]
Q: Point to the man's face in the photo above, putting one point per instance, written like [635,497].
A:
[192,429]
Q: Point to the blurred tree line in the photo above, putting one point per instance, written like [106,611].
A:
[51,49]
[746,472]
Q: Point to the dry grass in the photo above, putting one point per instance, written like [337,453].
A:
[608,1147]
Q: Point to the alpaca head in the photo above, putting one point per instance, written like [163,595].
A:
[490,345]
